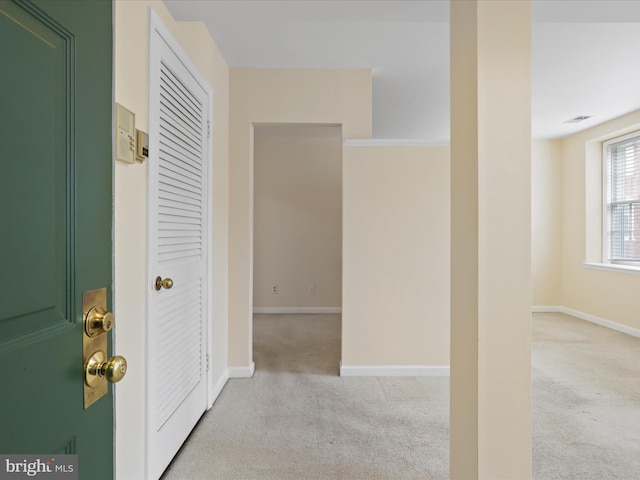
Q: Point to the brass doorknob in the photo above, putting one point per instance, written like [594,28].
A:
[96,369]
[98,321]
[166,283]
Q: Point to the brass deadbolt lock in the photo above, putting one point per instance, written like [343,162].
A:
[97,369]
[113,370]
[98,321]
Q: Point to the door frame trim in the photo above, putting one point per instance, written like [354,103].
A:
[112,288]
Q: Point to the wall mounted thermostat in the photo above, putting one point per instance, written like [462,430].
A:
[142,146]
[125,135]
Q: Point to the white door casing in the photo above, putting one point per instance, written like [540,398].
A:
[178,319]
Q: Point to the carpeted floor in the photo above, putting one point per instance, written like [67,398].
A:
[586,401]
[298,420]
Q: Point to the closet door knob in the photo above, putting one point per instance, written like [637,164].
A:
[166,283]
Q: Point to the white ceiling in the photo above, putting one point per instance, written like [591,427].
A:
[585,54]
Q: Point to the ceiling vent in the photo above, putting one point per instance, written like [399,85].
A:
[578,119]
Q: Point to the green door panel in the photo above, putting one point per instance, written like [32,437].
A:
[55,223]
[34,179]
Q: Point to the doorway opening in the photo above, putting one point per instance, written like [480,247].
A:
[297,248]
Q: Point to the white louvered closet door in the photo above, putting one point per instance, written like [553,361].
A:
[178,236]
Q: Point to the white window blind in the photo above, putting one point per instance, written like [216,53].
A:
[622,200]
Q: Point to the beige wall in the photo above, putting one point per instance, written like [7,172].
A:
[546,222]
[297,217]
[608,295]
[396,256]
[131,52]
[337,97]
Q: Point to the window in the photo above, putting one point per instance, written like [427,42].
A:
[621,209]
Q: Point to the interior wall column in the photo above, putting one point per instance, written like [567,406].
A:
[490,239]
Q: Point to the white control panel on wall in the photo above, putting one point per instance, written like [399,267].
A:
[125,135]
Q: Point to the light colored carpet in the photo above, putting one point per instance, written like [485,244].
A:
[586,401]
[298,420]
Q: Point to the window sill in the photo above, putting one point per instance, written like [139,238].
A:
[608,267]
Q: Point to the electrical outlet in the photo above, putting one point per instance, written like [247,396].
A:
[312,289]
[274,289]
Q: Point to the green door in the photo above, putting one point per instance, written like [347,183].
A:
[55,223]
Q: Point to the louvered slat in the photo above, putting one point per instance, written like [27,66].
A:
[185,122]
[191,149]
[180,188]
[178,240]
[180,212]
[179,339]
[168,226]
[180,172]
[166,235]
[173,171]
[178,196]
[179,205]
[177,87]
[185,161]
[173,121]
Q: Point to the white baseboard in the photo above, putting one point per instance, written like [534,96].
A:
[394,370]
[602,322]
[589,318]
[242,372]
[546,309]
[297,310]
[217,388]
